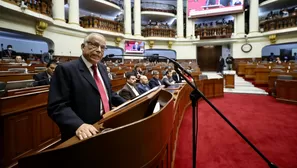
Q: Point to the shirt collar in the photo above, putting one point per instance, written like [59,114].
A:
[87,63]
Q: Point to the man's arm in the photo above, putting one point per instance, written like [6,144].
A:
[125,94]
[59,102]
[166,82]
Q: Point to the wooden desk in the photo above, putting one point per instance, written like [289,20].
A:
[273,77]
[16,77]
[241,69]
[261,75]
[25,126]
[229,80]
[118,84]
[148,142]
[250,71]
[286,91]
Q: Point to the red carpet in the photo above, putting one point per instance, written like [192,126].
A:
[271,126]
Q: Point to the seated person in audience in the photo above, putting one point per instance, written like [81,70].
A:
[44,78]
[109,73]
[165,70]
[137,71]
[176,77]
[143,85]
[9,52]
[19,60]
[47,56]
[155,81]
[167,79]
[278,61]
[129,91]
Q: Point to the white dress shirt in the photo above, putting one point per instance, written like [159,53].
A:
[89,66]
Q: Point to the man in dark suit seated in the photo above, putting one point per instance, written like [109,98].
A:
[129,91]
[80,91]
[143,86]
[176,77]
[155,81]
[44,78]
[167,79]
[9,52]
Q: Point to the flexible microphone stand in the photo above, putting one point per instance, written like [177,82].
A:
[195,95]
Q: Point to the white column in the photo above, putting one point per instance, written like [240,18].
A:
[137,18]
[127,10]
[190,28]
[239,24]
[58,10]
[73,12]
[180,19]
[254,16]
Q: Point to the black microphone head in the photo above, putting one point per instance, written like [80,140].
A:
[1,45]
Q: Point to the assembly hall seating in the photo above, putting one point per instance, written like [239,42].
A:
[267,74]
[27,129]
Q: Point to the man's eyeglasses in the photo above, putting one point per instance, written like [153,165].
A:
[96,45]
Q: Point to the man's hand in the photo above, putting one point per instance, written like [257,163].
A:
[86,131]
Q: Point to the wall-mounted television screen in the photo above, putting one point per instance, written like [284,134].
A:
[136,47]
[205,8]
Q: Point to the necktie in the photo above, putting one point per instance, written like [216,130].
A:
[102,92]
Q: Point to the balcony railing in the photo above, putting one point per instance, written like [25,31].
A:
[40,6]
[160,7]
[158,32]
[101,23]
[224,31]
[278,23]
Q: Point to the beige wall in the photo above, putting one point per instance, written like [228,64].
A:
[258,43]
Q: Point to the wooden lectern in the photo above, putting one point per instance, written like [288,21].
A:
[137,137]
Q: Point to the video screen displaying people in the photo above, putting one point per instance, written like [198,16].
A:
[134,47]
[204,8]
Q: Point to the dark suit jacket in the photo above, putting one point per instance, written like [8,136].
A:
[74,98]
[6,53]
[154,83]
[176,79]
[143,88]
[41,79]
[127,93]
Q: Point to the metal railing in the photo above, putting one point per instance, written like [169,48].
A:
[102,24]
[158,32]
[40,6]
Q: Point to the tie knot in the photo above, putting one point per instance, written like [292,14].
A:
[94,67]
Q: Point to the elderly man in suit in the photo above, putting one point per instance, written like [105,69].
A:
[143,86]
[80,91]
[44,78]
[155,81]
[130,91]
